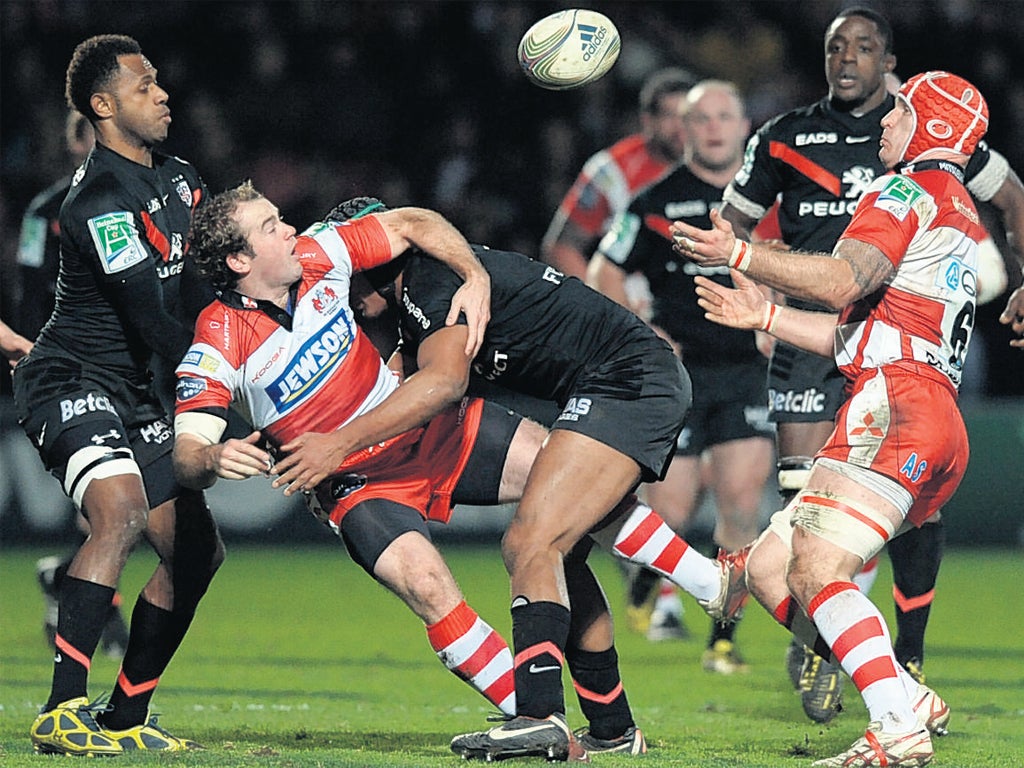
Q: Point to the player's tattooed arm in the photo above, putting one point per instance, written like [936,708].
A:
[871,268]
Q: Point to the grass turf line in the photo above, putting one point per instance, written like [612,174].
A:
[298,659]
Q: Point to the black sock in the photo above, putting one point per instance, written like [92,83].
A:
[722,630]
[155,636]
[642,585]
[62,570]
[915,557]
[83,612]
[599,690]
[539,634]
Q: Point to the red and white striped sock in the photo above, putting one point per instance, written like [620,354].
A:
[476,653]
[865,577]
[646,539]
[668,599]
[855,630]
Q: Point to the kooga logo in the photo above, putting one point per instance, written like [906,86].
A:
[314,361]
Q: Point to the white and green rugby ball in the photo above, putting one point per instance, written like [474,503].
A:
[569,49]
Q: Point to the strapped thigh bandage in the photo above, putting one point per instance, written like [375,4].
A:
[850,524]
[97,462]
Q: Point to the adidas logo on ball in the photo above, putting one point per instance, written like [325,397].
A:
[592,38]
[569,49]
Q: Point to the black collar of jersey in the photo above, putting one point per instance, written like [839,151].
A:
[932,165]
[101,150]
[238,300]
[847,117]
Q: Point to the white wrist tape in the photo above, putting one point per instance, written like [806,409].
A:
[771,313]
[740,258]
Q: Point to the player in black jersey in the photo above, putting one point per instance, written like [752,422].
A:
[38,263]
[729,414]
[552,338]
[87,399]
[817,160]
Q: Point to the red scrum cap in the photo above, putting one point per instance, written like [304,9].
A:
[949,113]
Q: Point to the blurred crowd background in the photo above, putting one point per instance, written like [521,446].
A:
[423,102]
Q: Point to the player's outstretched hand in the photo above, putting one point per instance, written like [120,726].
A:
[740,307]
[1013,316]
[474,299]
[309,459]
[707,247]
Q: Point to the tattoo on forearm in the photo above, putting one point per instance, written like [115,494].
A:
[871,271]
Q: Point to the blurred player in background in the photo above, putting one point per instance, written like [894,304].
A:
[817,161]
[86,398]
[38,264]
[903,277]
[610,178]
[39,243]
[729,414]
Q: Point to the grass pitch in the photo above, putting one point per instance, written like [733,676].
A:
[298,659]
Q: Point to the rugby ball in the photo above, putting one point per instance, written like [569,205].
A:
[569,49]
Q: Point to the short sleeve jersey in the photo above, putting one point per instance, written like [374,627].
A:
[546,330]
[288,373]
[120,219]
[924,221]
[640,241]
[607,182]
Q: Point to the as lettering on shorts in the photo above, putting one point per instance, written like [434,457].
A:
[575,408]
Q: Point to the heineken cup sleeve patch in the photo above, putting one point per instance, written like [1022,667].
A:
[117,241]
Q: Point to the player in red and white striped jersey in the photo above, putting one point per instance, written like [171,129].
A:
[280,359]
[611,177]
[280,347]
[903,276]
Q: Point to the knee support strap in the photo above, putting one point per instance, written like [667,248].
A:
[793,472]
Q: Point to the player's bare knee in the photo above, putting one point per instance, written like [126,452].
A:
[119,528]
[524,552]
[511,548]
[766,567]
[526,543]
[414,570]
[803,581]
[432,594]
